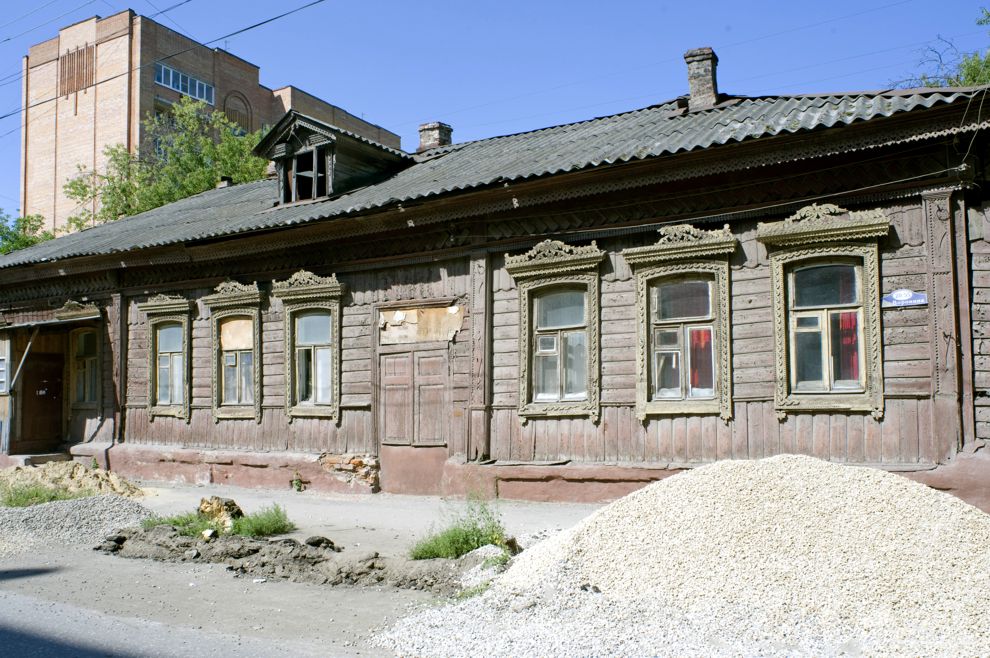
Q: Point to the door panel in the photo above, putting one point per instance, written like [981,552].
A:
[414,398]
[41,406]
[396,403]
[430,405]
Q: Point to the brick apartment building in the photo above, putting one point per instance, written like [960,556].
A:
[92,85]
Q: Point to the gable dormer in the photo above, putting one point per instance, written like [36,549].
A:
[315,160]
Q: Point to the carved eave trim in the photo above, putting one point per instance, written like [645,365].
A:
[306,286]
[823,223]
[683,241]
[231,294]
[73,310]
[553,257]
[165,305]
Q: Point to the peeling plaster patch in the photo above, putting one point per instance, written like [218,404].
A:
[419,325]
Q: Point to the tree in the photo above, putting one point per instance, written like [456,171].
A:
[185,152]
[21,232]
[946,66]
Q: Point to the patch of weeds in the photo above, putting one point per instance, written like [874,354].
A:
[471,592]
[94,465]
[297,482]
[478,526]
[499,560]
[26,495]
[263,523]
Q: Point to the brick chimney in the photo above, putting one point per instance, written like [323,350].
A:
[702,81]
[432,135]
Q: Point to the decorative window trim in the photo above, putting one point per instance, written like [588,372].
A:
[168,309]
[548,265]
[232,299]
[302,292]
[684,243]
[802,233]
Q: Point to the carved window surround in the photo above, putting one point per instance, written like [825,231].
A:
[168,309]
[554,264]
[827,232]
[232,299]
[305,291]
[682,251]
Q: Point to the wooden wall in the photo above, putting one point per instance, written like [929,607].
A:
[979,234]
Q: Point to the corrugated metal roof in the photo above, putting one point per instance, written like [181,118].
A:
[650,132]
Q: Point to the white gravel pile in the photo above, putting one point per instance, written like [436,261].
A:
[785,556]
[81,521]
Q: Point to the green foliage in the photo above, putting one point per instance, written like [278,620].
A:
[25,495]
[478,526]
[945,66]
[471,592]
[499,560]
[185,152]
[21,232]
[266,522]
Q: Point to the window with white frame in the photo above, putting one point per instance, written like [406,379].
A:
[682,339]
[169,364]
[825,308]
[313,364]
[237,361]
[560,345]
[85,367]
[4,365]
[184,84]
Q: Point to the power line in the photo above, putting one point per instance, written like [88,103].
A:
[169,18]
[33,11]
[37,27]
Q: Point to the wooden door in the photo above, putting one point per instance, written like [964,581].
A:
[41,404]
[414,400]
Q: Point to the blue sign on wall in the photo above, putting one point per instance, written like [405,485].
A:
[904,297]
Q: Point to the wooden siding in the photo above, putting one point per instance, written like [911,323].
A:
[979,232]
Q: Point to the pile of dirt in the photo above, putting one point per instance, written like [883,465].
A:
[70,476]
[784,556]
[317,560]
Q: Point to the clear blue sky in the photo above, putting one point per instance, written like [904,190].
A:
[491,68]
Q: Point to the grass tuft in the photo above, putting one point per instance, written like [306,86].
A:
[471,592]
[479,526]
[26,495]
[263,523]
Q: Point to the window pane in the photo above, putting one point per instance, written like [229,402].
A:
[844,334]
[683,299]
[546,383]
[92,379]
[230,379]
[702,383]
[808,359]
[178,373]
[304,375]
[170,338]
[560,309]
[808,322]
[575,365]
[164,380]
[247,377]
[323,376]
[667,338]
[86,343]
[546,344]
[313,329]
[80,384]
[237,334]
[825,285]
[667,371]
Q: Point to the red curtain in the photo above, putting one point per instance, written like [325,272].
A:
[701,358]
[849,348]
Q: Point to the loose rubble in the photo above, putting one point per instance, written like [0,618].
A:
[84,521]
[780,557]
[71,476]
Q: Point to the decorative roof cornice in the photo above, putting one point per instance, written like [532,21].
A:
[72,310]
[161,304]
[306,285]
[554,257]
[823,223]
[680,241]
[231,293]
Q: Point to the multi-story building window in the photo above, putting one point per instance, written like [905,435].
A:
[166,76]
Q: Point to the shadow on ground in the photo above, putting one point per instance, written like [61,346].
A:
[29,645]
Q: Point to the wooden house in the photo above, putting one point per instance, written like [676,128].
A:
[564,313]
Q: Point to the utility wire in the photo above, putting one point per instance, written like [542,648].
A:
[37,27]
[33,11]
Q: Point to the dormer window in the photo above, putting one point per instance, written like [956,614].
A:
[304,175]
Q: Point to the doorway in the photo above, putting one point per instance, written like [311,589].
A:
[41,422]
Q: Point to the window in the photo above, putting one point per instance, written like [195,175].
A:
[826,325]
[237,361]
[169,368]
[682,340]
[166,76]
[560,350]
[314,360]
[824,266]
[4,365]
[85,373]
[304,176]
[558,334]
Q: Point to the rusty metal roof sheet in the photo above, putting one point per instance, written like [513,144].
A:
[654,131]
